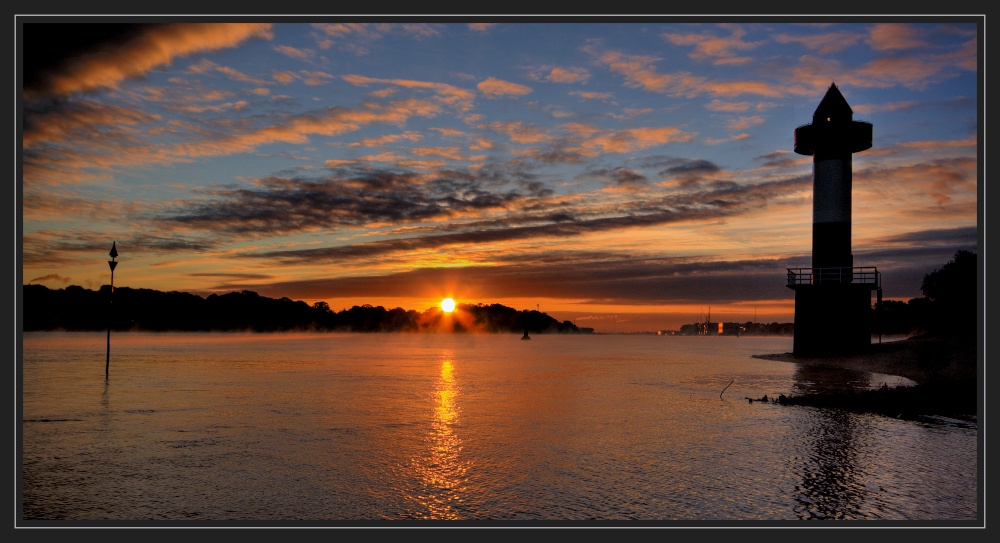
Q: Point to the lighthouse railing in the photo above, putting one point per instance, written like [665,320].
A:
[864,275]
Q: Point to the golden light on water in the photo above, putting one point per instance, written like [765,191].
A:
[448,305]
[443,472]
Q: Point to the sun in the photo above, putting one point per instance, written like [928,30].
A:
[448,305]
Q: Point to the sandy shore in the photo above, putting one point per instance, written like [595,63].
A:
[921,359]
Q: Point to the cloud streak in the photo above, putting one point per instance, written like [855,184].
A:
[494,88]
[141,54]
[720,200]
[282,205]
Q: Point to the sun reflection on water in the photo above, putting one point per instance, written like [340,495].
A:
[443,471]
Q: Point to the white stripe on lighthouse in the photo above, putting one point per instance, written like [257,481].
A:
[832,190]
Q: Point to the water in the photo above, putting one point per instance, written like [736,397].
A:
[402,426]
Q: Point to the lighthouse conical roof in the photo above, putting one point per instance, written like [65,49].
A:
[833,106]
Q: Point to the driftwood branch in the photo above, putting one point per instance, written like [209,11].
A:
[727,386]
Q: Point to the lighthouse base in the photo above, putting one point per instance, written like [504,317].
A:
[832,319]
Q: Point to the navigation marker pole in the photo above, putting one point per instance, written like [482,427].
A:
[111,263]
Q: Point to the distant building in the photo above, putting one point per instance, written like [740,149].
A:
[730,328]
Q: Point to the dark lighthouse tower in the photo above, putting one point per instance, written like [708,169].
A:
[833,298]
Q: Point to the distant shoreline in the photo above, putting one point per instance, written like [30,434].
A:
[317,331]
[365,332]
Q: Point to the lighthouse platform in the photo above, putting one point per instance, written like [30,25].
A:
[833,313]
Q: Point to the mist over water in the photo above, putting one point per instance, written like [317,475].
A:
[476,426]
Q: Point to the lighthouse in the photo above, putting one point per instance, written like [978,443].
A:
[833,297]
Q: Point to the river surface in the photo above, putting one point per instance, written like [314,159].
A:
[477,426]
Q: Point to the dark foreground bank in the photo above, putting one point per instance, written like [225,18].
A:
[944,369]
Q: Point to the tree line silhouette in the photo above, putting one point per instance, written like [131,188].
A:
[78,309]
[949,306]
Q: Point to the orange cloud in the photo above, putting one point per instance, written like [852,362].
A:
[391,138]
[452,96]
[448,132]
[284,77]
[822,43]
[314,79]
[481,27]
[892,106]
[362,33]
[340,30]
[625,141]
[383,93]
[738,137]
[155,48]
[381,157]
[422,164]
[301,54]
[709,47]
[894,36]
[568,75]
[639,72]
[593,95]
[420,29]
[743,123]
[913,72]
[495,88]
[481,144]
[216,95]
[965,58]
[333,122]
[736,88]
[939,144]
[333,163]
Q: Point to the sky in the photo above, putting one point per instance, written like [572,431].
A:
[628,176]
